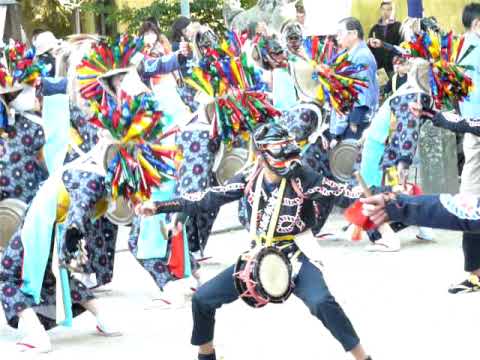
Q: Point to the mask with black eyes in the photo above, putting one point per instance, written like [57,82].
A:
[278,149]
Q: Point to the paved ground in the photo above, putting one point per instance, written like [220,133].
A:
[398,303]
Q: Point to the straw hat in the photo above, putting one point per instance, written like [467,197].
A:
[419,74]
[306,84]
[9,89]
[131,83]
[45,42]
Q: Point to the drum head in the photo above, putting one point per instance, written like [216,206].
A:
[229,163]
[122,214]
[274,275]
[342,159]
[12,212]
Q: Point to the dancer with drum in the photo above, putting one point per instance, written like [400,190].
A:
[61,222]
[151,250]
[278,192]
[197,147]
[21,143]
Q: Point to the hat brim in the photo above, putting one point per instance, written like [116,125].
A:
[103,80]
[303,76]
[11,89]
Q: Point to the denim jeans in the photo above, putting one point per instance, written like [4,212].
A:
[310,287]
[471,251]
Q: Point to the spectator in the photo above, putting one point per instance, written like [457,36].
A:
[386,30]
[300,9]
[179,31]
[400,75]
[471,147]
[350,36]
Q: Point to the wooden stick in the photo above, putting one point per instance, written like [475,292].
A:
[385,229]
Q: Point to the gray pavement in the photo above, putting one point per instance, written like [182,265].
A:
[397,302]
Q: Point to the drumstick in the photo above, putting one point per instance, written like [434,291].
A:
[385,230]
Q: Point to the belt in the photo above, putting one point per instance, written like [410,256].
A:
[275,239]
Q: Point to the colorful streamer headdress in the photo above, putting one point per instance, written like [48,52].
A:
[106,57]
[18,65]
[132,118]
[234,86]
[448,81]
[336,82]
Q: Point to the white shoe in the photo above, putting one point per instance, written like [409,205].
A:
[174,296]
[106,328]
[391,244]
[38,344]
[425,234]
[89,280]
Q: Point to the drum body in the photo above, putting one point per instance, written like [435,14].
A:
[263,275]
[12,212]
[119,213]
[342,159]
[228,162]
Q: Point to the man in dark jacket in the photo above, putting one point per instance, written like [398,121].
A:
[386,30]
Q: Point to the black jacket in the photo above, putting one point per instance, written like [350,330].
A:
[389,33]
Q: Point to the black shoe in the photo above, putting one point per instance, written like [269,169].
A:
[207,357]
[472,284]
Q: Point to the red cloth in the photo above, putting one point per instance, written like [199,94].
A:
[354,215]
[176,263]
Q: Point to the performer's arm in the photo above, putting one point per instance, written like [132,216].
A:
[456,123]
[449,212]
[201,202]
[447,121]
[395,49]
[54,86]
[315,187]
[162,65]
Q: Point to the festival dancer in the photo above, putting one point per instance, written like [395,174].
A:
[391,142]
[194,142]
[278,192]
[42,255]
[21,132]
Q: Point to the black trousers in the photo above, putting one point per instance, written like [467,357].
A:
[471,251]
[310,287]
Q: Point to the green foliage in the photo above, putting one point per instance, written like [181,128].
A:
[205,11]
[247,4]
[47,14]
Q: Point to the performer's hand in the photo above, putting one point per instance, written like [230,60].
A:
[374,208]
[375,43]
[418,111]
[403,169]
[333,143]
[145,209]
[354,128]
